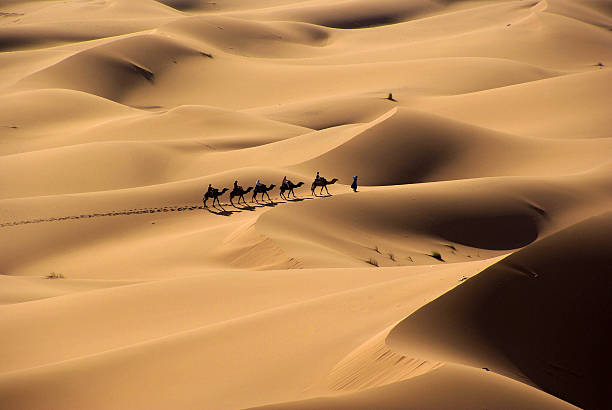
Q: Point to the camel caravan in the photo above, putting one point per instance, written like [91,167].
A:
[286,190]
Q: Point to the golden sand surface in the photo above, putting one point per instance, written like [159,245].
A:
[471,269]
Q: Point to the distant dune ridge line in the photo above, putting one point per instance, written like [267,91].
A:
[469,269]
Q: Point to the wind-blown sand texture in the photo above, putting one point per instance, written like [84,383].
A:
[471,270]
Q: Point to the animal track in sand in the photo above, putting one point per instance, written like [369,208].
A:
[172,208]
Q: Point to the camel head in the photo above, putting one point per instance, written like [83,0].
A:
[271,187]
[333,181]
[299,184]
[249,189]
[223,191]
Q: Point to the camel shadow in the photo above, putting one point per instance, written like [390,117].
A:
[221,211]
[245,208]
[298,199]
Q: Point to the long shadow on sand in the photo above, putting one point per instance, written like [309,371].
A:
[221,211]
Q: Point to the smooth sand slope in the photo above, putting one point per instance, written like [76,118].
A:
[479,237]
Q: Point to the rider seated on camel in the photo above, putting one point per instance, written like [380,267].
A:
[236,186]
[285,182]
[210,189]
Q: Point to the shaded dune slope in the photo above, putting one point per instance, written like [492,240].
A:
[249,38]
[352,14]
[398,147]
[453,218]
[411,147]
[510,317]
[118,67]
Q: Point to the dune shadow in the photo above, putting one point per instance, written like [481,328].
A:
[499,232]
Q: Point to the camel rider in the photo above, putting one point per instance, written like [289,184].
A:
[236,186]
[317,178]
[211,190]
[285,182]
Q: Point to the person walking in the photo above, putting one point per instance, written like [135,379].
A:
[354,184]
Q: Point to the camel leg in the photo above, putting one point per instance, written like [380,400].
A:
[219,203]
[327,190]
[269,199]
[204,199]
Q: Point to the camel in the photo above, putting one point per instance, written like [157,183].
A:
[289,186]
[215,196]
[262,189]
[323,183]
[240,194]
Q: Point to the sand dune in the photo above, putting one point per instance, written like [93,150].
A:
[460,386]
[519,333]
[580,107]
[457,219]
[470,270]
[411,147]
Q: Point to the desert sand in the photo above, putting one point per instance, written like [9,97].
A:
[472,269]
